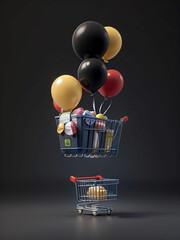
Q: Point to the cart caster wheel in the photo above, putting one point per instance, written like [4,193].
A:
[95,213]
[80,211]
[109,212]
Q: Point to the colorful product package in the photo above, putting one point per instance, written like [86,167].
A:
[99,136]
[108,140]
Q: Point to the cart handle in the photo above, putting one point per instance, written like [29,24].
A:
[74,179]
[124,119]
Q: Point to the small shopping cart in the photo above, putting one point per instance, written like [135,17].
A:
[95,137]
[91,191]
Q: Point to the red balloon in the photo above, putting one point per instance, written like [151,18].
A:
[113,84]
[59,109]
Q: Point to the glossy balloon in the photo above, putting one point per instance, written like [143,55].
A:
[90,39]
[66,91]
[92,74]
[113,85]
[115,43]
[59,109]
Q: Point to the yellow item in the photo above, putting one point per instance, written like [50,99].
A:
[108,140]
[66,91]
[97,193]
[60,128]
[100,115]
[115,43]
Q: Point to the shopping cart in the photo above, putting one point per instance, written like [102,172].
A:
[95,137]
[90,191]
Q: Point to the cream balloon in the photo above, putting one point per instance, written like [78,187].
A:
[115,43]
[66,91]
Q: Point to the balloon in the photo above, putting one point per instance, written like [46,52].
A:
[113,85]
[90,39]
[66,91]
[115,43]
[59,109]
[92,74]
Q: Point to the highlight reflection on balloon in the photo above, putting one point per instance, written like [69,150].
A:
[89,40]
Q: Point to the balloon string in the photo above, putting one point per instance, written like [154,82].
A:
[94,102]
[108,107]
[100,108]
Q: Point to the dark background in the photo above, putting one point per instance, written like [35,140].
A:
[35,49]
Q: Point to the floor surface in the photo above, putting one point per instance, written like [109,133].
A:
[142,217]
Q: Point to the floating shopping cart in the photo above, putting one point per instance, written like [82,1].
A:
[95,137]
[91,191]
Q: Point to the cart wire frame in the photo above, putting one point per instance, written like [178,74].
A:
[91,191]
[95,137]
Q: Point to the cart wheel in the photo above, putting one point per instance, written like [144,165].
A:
[80,211]
[109,212]
[94,213]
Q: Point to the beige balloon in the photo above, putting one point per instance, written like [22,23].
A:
[66,91]
[115,43]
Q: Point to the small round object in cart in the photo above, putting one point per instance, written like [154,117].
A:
[91,191]
[70,128]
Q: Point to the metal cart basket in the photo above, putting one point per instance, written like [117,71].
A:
[90,191]
[95,137]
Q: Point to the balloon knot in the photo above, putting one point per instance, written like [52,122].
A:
[105,60]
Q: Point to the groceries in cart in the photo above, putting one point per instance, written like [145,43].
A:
[86,135]
[97,193]
[91,191]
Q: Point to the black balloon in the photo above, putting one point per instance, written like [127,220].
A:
[92,74]
[90,40]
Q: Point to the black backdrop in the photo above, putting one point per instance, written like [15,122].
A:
[36,48]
